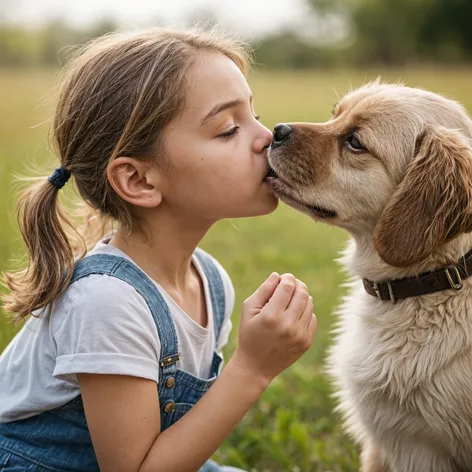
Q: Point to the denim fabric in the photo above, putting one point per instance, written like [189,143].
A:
[211,466]
[58,439]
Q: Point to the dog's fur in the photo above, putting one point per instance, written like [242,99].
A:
[403,372]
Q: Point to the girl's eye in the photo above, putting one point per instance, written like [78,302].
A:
[354,143]
[229,134]
[234,131]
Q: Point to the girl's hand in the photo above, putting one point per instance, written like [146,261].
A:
[277,326]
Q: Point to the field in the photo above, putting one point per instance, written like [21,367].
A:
[293,427]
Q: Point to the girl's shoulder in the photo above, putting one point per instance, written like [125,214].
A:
[102,325]
[99,299]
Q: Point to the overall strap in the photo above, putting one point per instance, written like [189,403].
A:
[123,269]
[217,290]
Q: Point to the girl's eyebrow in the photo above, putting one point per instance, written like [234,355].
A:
[218,108]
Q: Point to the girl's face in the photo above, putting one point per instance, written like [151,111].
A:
[215,150]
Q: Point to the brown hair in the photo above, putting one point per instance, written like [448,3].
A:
[117,95]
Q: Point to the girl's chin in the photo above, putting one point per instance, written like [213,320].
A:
[274,203]
[268,206]
[265,205]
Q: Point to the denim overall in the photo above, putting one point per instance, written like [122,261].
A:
[58,439]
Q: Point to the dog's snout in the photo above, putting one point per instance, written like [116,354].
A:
[281,133]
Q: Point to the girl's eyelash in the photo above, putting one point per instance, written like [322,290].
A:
[234,131]
[229,134]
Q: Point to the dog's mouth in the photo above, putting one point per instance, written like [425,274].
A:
[283,190]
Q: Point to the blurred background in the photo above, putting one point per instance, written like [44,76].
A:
[308,53]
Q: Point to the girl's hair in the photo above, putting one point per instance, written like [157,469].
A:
[117,95]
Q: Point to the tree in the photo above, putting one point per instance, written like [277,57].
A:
[399,31]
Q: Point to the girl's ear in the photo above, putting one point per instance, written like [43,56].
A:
[433,203]
[135,181]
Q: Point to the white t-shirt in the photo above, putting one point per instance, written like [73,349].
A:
[100,325]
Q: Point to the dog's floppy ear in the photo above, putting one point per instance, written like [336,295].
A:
[432,204]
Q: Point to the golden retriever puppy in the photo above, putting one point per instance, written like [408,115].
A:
[393,167]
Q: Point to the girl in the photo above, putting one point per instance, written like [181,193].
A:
[159,132]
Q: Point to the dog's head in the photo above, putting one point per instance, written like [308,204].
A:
[393,161]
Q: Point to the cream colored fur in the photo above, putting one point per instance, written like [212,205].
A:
[402,372]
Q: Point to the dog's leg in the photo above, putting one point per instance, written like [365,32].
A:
[372,459]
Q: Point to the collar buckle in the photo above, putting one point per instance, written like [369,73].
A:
[457,284]
[375,286]
[390,292]
[376,289]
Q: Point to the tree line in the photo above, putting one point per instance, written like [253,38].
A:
[336,33]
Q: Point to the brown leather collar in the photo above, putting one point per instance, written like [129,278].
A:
[449,277]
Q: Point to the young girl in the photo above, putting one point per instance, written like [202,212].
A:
[159,132]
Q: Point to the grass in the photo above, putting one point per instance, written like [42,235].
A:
[292,427]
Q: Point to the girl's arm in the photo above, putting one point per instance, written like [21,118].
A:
[277,327]
[124,421]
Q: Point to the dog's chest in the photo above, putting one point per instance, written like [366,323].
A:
[396,359]
[387,346]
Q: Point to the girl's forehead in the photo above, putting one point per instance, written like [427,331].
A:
[212,79]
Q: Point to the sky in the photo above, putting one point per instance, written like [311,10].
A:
[248,17]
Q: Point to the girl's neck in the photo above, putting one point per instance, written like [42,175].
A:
[164,251]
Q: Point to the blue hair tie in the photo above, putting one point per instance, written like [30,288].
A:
[60,176]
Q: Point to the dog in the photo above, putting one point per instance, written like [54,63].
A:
[393,167]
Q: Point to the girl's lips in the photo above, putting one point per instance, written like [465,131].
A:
[273,178]
[270,175]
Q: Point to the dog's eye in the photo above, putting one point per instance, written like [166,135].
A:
[354,143]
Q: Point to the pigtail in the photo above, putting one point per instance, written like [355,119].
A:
[43,225]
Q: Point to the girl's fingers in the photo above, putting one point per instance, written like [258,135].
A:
[299,302]
[312,326]
[282,295]
[263,294]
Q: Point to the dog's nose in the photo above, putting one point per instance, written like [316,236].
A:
[281,133]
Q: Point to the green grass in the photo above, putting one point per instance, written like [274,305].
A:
[292,427]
